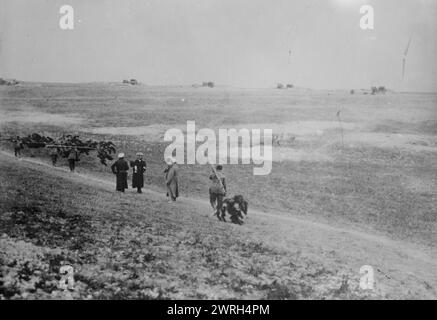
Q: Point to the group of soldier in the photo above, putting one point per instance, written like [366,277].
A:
[72,158]
[217,189]
[120,168]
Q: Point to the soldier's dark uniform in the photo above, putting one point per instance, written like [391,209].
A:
[217,190]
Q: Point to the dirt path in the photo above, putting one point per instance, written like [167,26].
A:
[401,269]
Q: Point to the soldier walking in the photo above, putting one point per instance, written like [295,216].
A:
[171,180]
[18,145]
[138,168]
[217,190]
[73,156]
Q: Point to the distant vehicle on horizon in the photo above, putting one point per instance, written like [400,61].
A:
[131,81]
[8,82]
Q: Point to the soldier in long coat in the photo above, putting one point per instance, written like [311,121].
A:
[171,179]
[120,169]
[138,168]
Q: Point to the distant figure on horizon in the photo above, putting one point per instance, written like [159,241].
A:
[120,169]
[138,168]
[171,179]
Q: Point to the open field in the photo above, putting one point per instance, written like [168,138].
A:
[376,193]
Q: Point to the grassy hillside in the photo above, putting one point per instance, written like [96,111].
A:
[130,246]
[383,179]
[326,209]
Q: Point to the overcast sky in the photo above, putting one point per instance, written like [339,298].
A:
[231,42]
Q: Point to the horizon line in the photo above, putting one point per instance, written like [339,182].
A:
[216,85]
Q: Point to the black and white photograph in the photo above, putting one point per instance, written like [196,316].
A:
[229,152]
